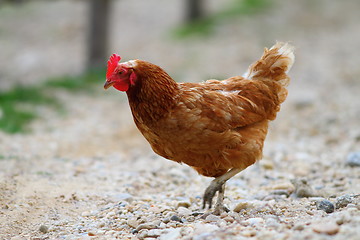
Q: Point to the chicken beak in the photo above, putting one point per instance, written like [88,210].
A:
[108,84]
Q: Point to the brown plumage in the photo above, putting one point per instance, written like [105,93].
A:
[213,126]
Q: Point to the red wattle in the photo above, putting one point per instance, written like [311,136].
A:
[123,87]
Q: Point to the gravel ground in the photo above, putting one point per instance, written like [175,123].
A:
[85,174]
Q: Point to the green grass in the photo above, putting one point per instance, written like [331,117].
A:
[202,27]
[18,106]
[205,26]
[245,7]
[78,83]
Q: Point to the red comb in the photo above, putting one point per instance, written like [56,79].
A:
[111,64]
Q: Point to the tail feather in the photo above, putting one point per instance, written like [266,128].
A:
[274,64]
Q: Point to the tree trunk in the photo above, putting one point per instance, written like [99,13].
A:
[194,10]
[98,33]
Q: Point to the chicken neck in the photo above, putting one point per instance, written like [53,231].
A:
[153,96]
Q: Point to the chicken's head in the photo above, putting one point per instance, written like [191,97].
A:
[119,75]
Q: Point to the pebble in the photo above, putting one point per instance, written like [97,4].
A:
[109,215]
[143,234]
[272,222]
[343,201]
[229,219]
[351,205]
[17,238]
[153,233]
[175,218]
[303,189]
[254,221]
[172,224]
[100,232]
[146,226]
[133,223]
[281,192]
[185,204]
[212,218]
[166,220]
[243,205]
[155,209]
[172,234]
[329,228]
[248,233]
[86,214]
[100,225]
[182,211]
[267,164]
[325,205]
[353,159]
[162,225]
[284,186]
[345,217]
[304,102]
[200,228]
[43,229]
[195,214]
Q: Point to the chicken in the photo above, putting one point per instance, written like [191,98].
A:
[216,127]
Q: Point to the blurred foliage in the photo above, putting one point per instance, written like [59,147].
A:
[18,106]
[83,82]
[205,26]
[11,1]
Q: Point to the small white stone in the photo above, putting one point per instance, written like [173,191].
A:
[133,223]
[329,228]
[146,226]
[204,228]
[86,214]
[162,225]
[182,211]
[254,221]
[172,234]
[212,218]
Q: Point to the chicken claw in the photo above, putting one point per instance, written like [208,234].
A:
[218,185]
[215,186]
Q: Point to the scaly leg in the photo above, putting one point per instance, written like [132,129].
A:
[219,206]
[218,185]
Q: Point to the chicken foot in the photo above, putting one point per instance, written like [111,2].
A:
[218,185]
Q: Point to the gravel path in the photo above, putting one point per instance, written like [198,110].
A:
[89,174]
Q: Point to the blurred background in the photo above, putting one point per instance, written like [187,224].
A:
[67,146]
[192,39]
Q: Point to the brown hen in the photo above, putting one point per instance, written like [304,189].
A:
[216,127]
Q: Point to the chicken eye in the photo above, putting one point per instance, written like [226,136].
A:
[121,72]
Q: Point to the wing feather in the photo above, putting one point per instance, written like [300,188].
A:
[228,104]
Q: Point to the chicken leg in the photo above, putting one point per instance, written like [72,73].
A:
[218,185]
